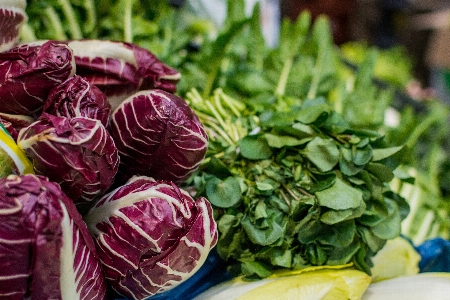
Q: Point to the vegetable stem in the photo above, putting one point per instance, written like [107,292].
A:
[27,33]
[127,25]
[69,13]
[282,81]
[422,128]
[55,23]
[91,17]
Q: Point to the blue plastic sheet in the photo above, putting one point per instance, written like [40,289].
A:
[435,255]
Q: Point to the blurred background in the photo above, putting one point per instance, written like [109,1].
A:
[420,27]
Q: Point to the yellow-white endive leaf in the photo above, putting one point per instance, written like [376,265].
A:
[318,283]
[397,258]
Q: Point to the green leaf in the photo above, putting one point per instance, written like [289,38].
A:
[340,196]
[335,216]
[255,268]
[335,123]
[363,155]
[218,168]
[264,186]
[380,171]
[301,130]
[255,147]
[373,242]
[380,154]
[343,255]
[223,193]
[226,222]
[263,236]
[278,141]
[391,226]
[312,112]
[323,153]
[339,235]
[348,167]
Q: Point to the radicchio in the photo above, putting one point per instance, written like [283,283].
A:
[12,16]
[158,135]
[151,236]
[120,69]
[78,153]
[13,123]
[46,251]
[29,72]
[76,97]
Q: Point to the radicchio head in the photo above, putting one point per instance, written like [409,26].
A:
[151,236]
[76,97]
[46,251]
[12,16]
[158,135]
[29,72]
[78,153]
[120,69]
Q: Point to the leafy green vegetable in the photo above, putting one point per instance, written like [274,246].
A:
[287,124]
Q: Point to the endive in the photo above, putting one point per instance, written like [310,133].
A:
[324,283]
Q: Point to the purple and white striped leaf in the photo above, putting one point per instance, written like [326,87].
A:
[120,69]
[76,97]
[29,72]
[46,251]
[13,123]
[158,135]
[77,153]
[12,16]
[151,236]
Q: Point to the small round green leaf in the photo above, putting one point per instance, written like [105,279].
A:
[255,147]
[223,193]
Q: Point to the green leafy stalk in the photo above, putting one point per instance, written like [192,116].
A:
[281,86]
[127,21]
[91,17]
[70,15]
[55,23]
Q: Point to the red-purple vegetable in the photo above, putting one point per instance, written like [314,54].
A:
[13,123]
[29,72]
[46,251]
[151,236]
[76,97]
[158,135]
[77,153]
[12,16]
[120,69]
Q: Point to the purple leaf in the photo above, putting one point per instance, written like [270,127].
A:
[76,97]
[29,72]
[46,251]
[120,69]
[77,153]
[158,135]
[12,16]
[13,123]
[151,236]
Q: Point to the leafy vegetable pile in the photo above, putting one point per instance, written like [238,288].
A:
[300,164]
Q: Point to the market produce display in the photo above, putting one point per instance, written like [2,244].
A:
[187,160]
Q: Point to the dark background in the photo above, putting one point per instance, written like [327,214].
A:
[384,23]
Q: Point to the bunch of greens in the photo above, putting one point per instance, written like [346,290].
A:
[295,188]
[297,167]
[166,30]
